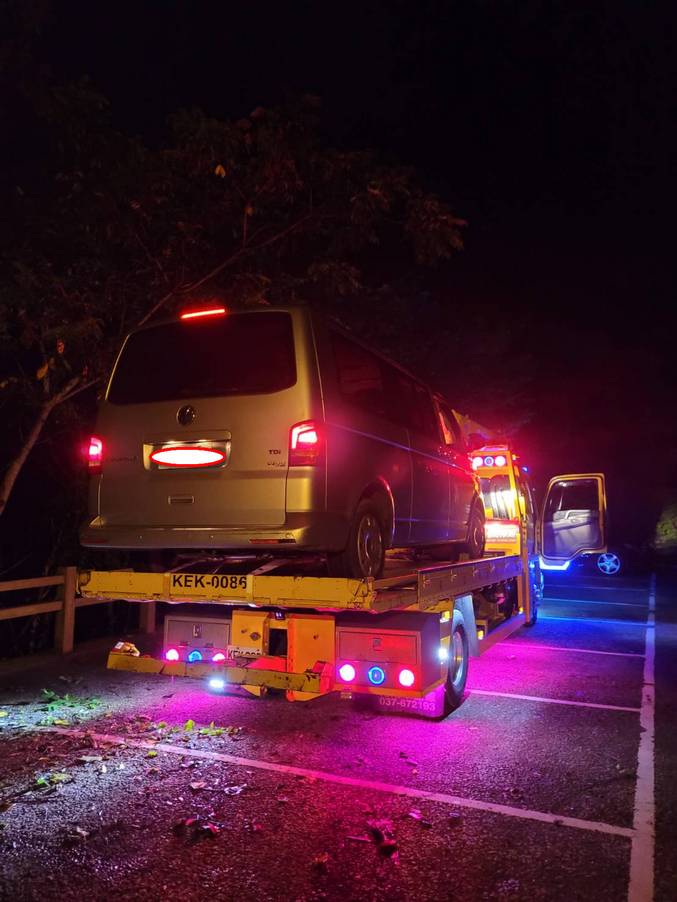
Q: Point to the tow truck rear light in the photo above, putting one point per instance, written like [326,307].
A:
[218,657]
[305,445]
[406,678]
[500,460]
[501,530]
[188,457]
[172,654]
[477,462]
[347,673]
[376,675]
[209,311]
[195,656]
[95,455]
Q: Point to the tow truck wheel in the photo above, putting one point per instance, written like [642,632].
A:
[458,667]
[364,555]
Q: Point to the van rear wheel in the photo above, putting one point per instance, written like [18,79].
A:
[474,544]
[364,555]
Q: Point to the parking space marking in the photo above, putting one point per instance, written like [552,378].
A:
[553,701]
[355,782]
[620,604]
[582,651]
[597,588]
[640,623]
[641,887]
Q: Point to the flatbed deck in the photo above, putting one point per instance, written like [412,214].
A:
[421,588]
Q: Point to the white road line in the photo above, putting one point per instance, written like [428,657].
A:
[620,604]
[595,588]
[375,785]
[553,701]
[582,651]
[641,623]
[641,887]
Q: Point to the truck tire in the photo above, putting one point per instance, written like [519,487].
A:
[364,555]
[457,675]
[476,540]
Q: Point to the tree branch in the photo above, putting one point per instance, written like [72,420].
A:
[70,389]
[197,283]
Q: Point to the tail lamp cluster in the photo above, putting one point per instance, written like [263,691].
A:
[195,656]
[499,460]
[375,674]
[305,445]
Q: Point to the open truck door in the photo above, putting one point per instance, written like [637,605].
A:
[572,520]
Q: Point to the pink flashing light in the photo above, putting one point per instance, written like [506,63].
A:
[219,656]
[406,678]
[347,673]
[172,654]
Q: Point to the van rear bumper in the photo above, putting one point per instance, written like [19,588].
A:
[317,532]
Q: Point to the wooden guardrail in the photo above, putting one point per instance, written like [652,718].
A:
[64,605]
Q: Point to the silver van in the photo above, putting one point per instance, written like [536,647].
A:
[274,430]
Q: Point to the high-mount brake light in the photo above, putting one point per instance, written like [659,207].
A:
[187,457]
[209,311]
[305,446]
[95,455]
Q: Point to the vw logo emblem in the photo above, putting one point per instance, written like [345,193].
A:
[186,415]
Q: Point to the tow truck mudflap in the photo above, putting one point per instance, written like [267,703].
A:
[317,679]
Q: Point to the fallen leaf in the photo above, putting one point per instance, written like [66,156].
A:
[198,785]
[87,759]
[4,713]
[60,778]
[234,790]
[151,754]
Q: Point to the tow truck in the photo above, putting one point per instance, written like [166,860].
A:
[404,640]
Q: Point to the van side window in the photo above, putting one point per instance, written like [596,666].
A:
[359,376]
[423,413]
[450,429]
[409,404]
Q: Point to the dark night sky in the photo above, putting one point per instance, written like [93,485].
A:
[546,124]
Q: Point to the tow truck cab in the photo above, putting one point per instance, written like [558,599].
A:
[572,520]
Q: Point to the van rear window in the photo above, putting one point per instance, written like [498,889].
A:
[238,354]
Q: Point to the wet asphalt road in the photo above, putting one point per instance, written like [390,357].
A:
[527,792]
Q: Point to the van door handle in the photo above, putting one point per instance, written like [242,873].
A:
[181,499]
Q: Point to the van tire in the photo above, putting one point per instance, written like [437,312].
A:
[364,554]
[476,540]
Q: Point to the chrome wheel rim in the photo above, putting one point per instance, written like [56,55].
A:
[457,664]
[369,545]
[609,563]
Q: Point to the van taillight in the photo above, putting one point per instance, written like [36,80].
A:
[95,455]
[305,445]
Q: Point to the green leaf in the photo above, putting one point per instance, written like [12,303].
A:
[151,754]
[189,726]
